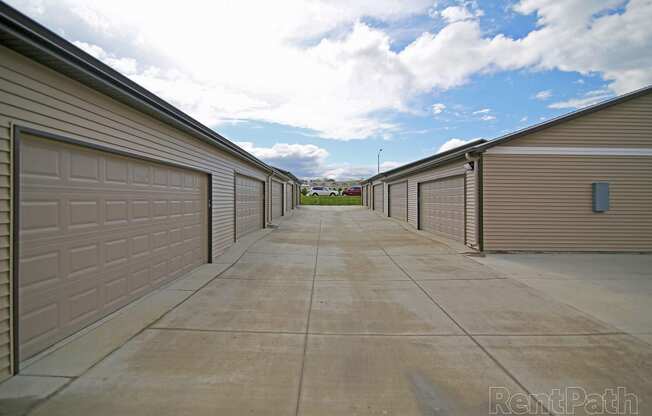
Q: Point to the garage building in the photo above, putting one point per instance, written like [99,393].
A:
[107,191]
[580,182]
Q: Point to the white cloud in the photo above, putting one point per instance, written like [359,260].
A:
[438,108]
[310,161]
[543,95]
[577,103]
[487,118]
[483,111]
[304,160]
[590,98]
[126,66]
[523,119]
[453,143]
[350,171]
[456,13]
[316,65]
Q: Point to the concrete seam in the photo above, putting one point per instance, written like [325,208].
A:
[226,331]
[139,332]
[305,342]
[471,337]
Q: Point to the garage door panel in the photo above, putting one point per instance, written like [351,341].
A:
[398,201]
[100,235]
[441,207]
[250,214]
[277,200]
[379,198]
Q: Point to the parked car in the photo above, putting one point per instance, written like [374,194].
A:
[353,191]
[322,191]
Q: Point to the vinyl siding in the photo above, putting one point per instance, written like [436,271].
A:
[34,96]
[5,252]
[451,169]
[623,125]
[545,203]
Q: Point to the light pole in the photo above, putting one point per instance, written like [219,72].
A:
[379,150]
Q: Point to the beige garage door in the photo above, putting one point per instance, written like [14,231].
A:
[98,231]
[288,197]
[379,198]
[277,199]
[249,205]
[398,201]
[441,207]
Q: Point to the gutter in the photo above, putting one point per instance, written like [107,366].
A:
[478,200]
[30,39]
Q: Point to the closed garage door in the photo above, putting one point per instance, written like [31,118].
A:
[288,197]
[249,205]
[379,198]
[277,199]
[441,207]
[398,201]
[98,231]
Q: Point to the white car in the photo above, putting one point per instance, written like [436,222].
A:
[322,191]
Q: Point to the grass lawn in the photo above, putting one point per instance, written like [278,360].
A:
[330,200]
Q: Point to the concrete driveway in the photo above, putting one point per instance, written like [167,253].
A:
[341,312]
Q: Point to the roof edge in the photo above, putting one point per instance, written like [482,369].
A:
[566,117]
[426,162]
[32,35]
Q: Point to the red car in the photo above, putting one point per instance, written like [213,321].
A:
[353,191]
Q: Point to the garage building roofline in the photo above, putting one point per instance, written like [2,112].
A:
[427,162]
[31,39]
[564,118]
[479,146]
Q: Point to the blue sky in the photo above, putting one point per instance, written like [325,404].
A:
[317,87]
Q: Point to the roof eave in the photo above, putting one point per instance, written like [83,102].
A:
[29,38]
[564,118]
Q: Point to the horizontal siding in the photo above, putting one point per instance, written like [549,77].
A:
[5,253]
[545,203]
[622,125]
[451,169]
[34,96]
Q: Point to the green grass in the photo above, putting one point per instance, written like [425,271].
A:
[330,200]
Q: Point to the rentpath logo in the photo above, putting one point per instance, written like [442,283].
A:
[570,401]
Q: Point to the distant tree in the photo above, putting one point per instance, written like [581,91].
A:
[304,191]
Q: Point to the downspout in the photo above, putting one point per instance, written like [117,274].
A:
[268,200]
[476,180]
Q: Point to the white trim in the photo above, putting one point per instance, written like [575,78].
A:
[578,151]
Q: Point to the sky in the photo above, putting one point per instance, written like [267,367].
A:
[317,87]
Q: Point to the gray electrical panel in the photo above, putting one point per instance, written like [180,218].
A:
[600,196]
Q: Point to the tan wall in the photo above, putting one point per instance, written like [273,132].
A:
[544,202]
[32,95]
[451,169]
[622,125]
